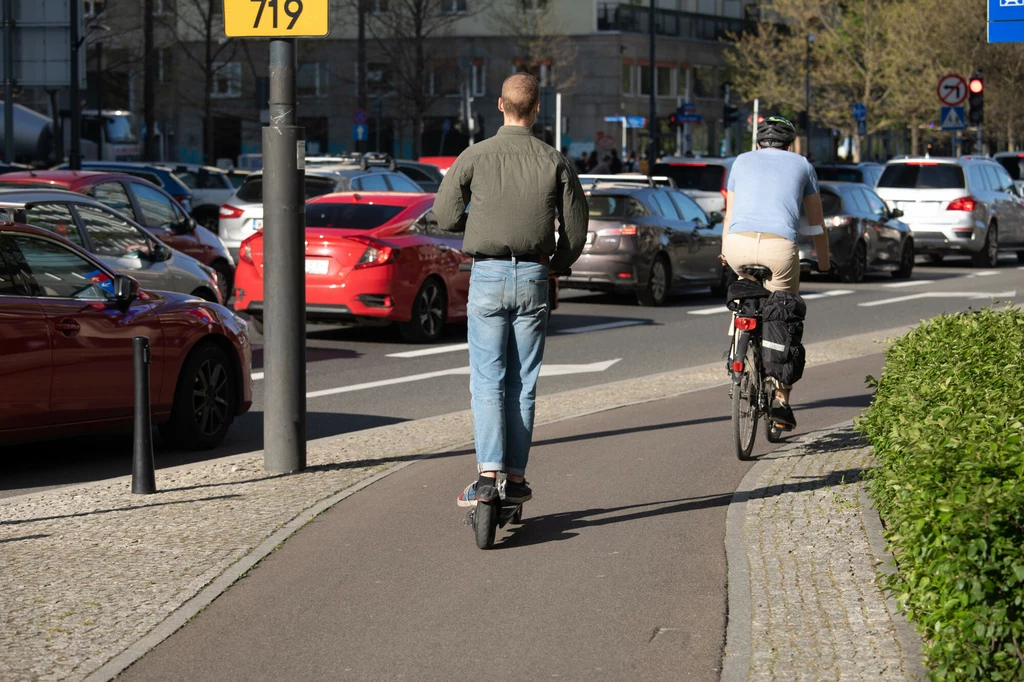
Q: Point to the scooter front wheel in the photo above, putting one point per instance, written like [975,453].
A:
[485,523]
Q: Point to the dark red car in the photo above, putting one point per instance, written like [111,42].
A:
[66,329]
[146,204]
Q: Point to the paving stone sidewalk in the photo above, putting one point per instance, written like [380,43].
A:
[812,544]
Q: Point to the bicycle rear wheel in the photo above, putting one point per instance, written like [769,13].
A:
[744,406]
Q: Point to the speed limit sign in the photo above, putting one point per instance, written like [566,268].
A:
[952,90]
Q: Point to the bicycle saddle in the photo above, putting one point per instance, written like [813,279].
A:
[757,271]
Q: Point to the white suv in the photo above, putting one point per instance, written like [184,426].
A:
[965,206]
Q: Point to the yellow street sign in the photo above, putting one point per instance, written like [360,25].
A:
[276,18]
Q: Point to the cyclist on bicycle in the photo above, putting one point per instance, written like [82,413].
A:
[766,190]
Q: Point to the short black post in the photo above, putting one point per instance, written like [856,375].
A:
[143,474]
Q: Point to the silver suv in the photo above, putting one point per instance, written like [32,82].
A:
[242,215]
[966,206]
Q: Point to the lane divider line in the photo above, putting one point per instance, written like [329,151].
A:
[983,273]
[974,295]
[435,350]
[600,327]
[911,283]
[809,297]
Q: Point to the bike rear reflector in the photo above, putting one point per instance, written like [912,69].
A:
[737,365]
[746,323]
[967,203]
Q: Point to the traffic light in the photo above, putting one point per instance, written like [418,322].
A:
[976,99]
[675,119]
[730,114]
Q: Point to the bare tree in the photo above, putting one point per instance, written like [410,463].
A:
[539,39]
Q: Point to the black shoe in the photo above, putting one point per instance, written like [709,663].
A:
[486,490]
[782,413]
[517,493]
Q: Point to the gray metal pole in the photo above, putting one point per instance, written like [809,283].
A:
[284,318]
[75,155]
[99,102]
[9,80]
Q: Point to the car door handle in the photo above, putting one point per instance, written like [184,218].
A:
[67,327]
[443,247]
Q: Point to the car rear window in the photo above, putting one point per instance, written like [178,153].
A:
[840,174]
[350,216]
[251,190]
[921,176]
[1012,165]
[614,206]
[831,204]
[699,177]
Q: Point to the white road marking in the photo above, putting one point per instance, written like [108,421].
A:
[546,370]
[256,376]
[912,283]
[983,273]
[600,327]
[435,350]
[809,297]
[976,295]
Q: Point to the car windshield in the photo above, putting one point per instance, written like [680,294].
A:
[350,216]
[1012,165]
[840,174]
[923,176]
[613,206]
[119,129]
[700,177]
[251,190]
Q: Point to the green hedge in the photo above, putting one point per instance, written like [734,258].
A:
[946,426]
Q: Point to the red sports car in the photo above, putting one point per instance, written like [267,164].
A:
[66,329]
[370,258]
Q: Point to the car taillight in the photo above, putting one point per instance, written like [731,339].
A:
[245,251]
[967,203]
[377,253]
[725,199]
[746,323]
[624,231]
[228,211]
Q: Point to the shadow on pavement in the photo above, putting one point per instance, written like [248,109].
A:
[862,400]
[313,354]
[38,536]
[563,526]
[14,522]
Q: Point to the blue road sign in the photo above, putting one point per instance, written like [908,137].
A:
[952,118]
[1005,21]
[690,118]
[446,125]
[613,119]
[360,132]
[636,122]
[860,112]
[862,127]
[689,107]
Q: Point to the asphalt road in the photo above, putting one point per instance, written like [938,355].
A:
[365,377]
[617,573]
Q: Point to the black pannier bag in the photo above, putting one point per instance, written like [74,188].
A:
[744,296]
[782,333]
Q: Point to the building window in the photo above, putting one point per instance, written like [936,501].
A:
[683,76]
[227,79]
[704,81]
[664,76]
[627,78]
[378,78]
[445,80]
[312,80]
[645,80]
[453,6]
[479,78]
[162,7]
[534,5]
[93,8]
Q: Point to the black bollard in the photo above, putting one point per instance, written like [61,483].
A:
[143,474]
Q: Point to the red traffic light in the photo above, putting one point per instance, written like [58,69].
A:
[976,85]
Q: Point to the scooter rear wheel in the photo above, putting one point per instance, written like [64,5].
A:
[485,523]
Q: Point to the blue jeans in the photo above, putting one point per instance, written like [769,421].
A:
[508,314]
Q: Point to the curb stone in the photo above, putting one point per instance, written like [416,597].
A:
[744,658]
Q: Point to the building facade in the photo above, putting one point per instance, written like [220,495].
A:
[594,52]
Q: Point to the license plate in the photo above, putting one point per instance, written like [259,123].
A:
[257,224]
[316,266]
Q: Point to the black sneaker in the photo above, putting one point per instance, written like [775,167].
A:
[517,493]
[782,413]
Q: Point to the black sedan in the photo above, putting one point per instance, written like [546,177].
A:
[864,234]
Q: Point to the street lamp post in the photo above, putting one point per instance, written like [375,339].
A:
[807,90]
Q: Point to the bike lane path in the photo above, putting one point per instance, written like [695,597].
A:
[618,571]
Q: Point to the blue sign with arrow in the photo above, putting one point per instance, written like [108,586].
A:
[860,112]
[360,132]
[952,118]
[1005,21]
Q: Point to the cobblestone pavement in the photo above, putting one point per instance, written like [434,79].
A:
[816,611]
[87,571]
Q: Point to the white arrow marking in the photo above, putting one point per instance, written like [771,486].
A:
[913,283]
[808,297]
[976,295]
[546,370]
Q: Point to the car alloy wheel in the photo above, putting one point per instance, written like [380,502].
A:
[858,266]
[656,291]
[988,257]
[210,397]
[906,267]
[428,309]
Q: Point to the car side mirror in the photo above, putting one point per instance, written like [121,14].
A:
[895,214]
[126,290]
[185,227]
[716,218]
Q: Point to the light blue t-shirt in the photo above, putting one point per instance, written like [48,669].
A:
[769,186]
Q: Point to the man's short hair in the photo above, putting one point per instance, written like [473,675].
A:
[519,95]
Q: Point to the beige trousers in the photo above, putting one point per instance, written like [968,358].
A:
[769,250]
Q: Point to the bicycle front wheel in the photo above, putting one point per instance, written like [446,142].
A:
[744,406]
